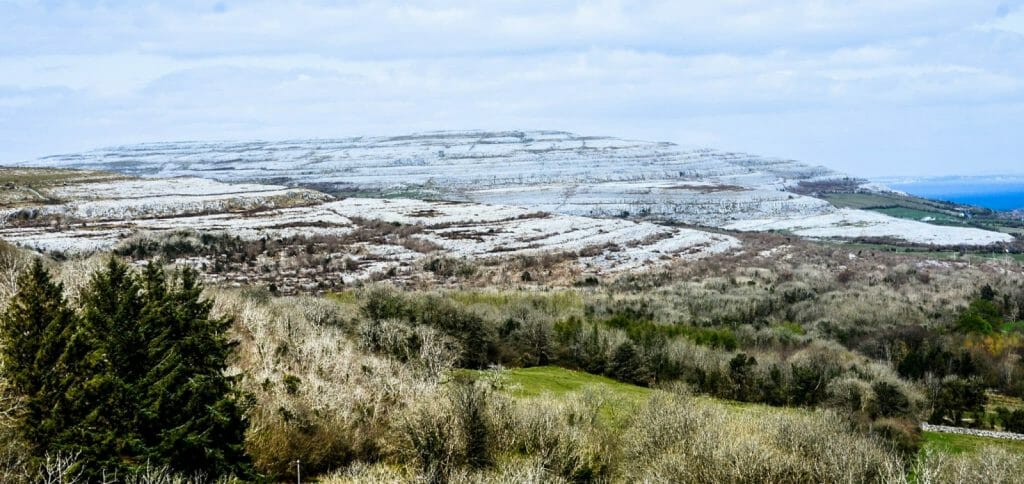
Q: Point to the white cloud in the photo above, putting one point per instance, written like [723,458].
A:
[739,74]
[1008,21]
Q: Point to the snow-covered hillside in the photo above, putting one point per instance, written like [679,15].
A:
[545,170]
[86,217]
[852,224]
[540,171]
[122,200]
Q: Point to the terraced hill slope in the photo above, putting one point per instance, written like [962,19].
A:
[538,170]
[83,212]
[543,170]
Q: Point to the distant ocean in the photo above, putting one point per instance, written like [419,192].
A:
[995,193]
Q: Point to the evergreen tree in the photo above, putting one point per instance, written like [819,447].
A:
[742,372]
[112,350]
[193,420]
[889,401]
[626,365]
[32,340]
[595,350]
[111,309]
[982,316]
[137,378]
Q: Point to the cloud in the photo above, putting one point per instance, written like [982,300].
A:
[1008,20]
[374,29]
[833,82]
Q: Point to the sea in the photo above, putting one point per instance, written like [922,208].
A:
[997,193]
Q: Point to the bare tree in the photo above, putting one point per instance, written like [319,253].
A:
[59,469]
[12,263]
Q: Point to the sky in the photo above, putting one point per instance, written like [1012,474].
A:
[870,87]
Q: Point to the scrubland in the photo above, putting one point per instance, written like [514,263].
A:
[788,361]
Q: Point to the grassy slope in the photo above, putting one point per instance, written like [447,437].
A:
[922,215]
[916,208]
[620,398]
[623,398]
[21,186]
[48,177]
[925,252]
[956,443]
[537,381]
[880,200]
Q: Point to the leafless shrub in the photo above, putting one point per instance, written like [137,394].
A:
[319,398]
[418,244]
[58,469]
[319,311]
[987,464]
[161,475]
[14,454]
[378,230]
[509,471]
[74,275]
[361,472]
[850,394]
[679,440]
[450,267]
[12,262]
[565,434]
[428,351]
[430,438]
[525,471]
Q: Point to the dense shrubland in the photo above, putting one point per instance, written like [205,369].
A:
[929,320]
[391,407]
[382,383]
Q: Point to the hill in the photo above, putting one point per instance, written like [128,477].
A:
[225,230]
[545,171]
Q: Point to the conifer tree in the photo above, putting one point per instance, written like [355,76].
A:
[136,378]
[112,350]
[33,329]
[111,309]
[192,414]
[626,365]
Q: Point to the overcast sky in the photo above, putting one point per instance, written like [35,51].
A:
[872,87]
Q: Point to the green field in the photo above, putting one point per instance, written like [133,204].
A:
[958,444]
[622,398]
[925,252]
[559,301]
[922,215]
[559,382]
[915,208]
[878,200]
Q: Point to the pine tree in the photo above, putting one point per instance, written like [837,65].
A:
[192,415]
[626,365]
[33,333]
[111,309]
[111,350]
[137,378]
[595,349]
